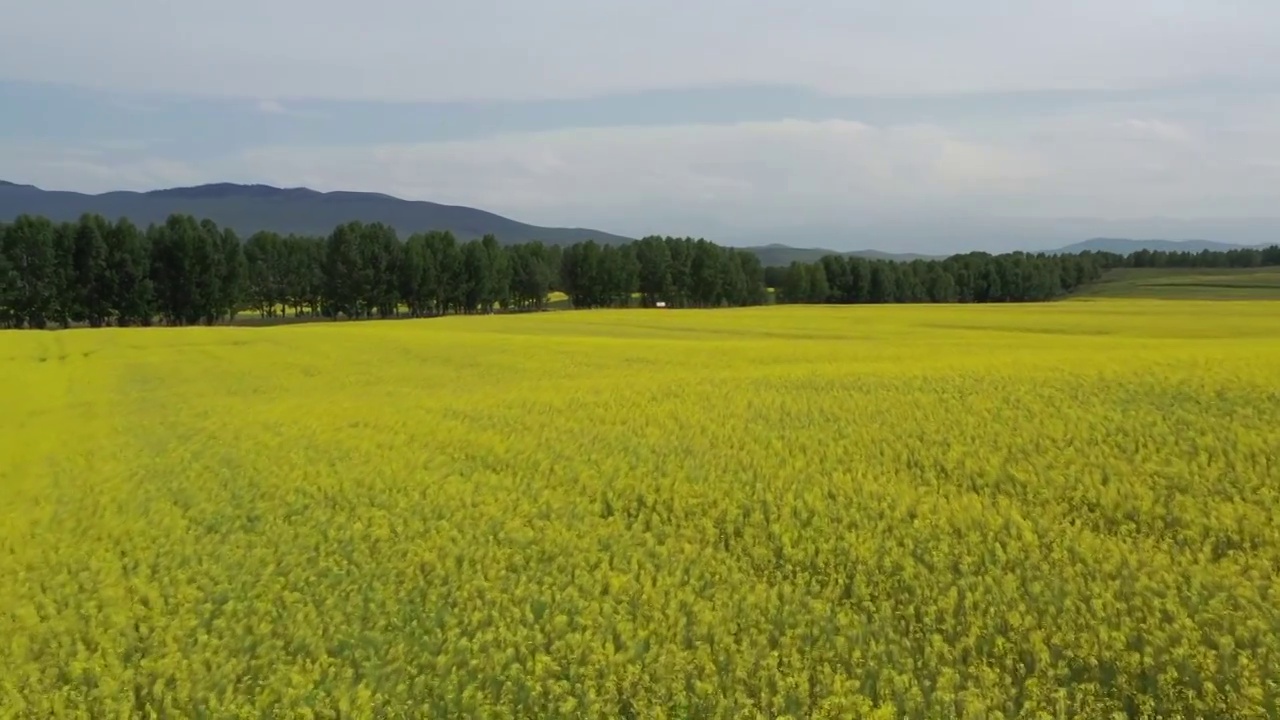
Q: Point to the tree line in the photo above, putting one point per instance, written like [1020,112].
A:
[187,271]
[972,277]
[1234,258]
[980,277]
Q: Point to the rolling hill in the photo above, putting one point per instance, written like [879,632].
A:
[1125,246]
[249,208]
[778,255]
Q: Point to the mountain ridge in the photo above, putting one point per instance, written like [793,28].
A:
[1124,246]
[779,254]
[248,208]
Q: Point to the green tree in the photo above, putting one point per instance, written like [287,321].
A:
[381,252]
[304,274]
[839,278]
[911,281]
[128,262]
[8,285]
[653,258]
[882,283]
[753,288]
[940,285]
[266,273]
[28,249]
[620,274]
[681,272]
[66,295]
[479,278]
[415,264]
[208,274]
[531,275]
[819,290]
[580,274]
[93,283]
[344,271]
[235,275]
[796,284]
[450,277]
[733,282]
[497,286]
[705,279]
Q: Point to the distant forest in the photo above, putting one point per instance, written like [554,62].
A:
[187,271]
[982,277]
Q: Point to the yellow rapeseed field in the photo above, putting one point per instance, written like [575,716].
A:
[1062,510]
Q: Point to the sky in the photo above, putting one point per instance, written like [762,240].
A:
[913,125]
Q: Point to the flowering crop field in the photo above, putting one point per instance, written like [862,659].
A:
[1037,511]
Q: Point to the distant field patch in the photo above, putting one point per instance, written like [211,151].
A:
[1188,284]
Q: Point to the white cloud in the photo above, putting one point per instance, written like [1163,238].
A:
[272,107]
[725,180]
[1156,130]
[425,49]
[108,166]
[633,179]
[750,172]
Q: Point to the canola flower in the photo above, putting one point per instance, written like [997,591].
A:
[1066,510]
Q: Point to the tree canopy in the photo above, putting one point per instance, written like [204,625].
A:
[188,271]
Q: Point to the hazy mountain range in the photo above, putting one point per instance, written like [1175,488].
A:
[776,254]
[249,208]
[1125,246]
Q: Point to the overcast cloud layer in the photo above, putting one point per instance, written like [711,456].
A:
[744,122]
